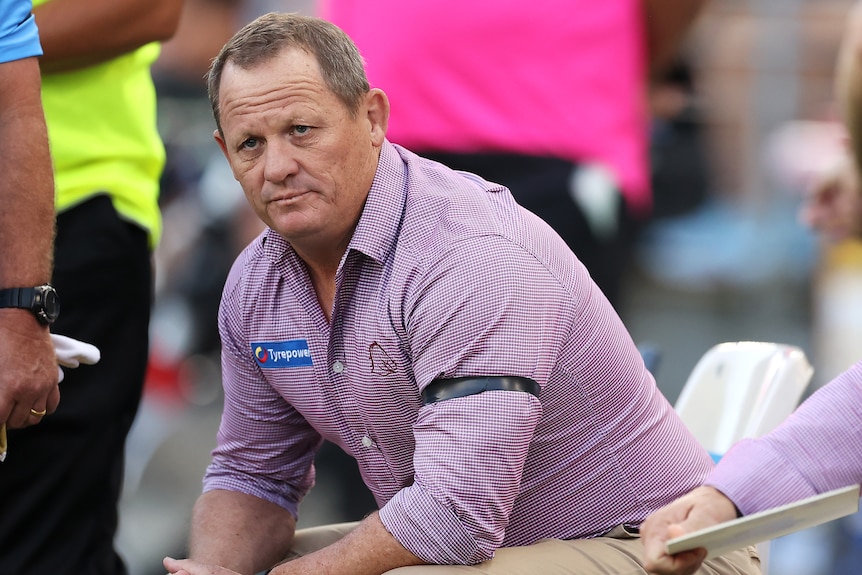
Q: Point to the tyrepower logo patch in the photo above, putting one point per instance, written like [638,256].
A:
[281,354]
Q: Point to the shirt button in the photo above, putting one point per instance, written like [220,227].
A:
[367,441]
[337,367]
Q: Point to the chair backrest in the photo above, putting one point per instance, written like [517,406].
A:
[742,389]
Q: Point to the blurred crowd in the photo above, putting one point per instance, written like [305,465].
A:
[742,123]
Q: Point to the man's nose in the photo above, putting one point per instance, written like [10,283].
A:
[280,161]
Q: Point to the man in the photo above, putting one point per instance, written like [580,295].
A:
[817,448]
[440,334]
[28,380]
[62,479]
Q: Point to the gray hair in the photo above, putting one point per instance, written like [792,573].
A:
[341,65]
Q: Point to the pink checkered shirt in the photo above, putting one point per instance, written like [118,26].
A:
[446,276]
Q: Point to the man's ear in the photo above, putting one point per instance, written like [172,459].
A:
[221,143]
[217,136]
[377,110]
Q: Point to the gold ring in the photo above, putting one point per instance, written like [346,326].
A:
[38,413]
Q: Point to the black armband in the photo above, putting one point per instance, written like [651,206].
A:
[443,389]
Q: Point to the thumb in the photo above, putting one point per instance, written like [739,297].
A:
[174,566]
[675,530]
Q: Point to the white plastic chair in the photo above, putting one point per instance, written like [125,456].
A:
[742,389]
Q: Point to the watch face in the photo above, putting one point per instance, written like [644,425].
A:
[50,304]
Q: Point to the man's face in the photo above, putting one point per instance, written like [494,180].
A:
[304,162]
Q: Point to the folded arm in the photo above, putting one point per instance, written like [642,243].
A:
[234,532]
[80,33]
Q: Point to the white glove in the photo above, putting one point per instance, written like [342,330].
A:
[72,353]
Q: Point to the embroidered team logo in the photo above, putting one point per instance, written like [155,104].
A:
[282,354]
[381,363]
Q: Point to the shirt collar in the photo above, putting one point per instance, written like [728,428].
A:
[380,222]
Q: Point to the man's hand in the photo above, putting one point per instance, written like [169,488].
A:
[703,507]
[29,377]
[833,205]
[189,567]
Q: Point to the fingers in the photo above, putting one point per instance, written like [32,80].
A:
[28,379]
[658,562]
[53,400]
[24,415]
[189,567]
[176,566]
[684,563]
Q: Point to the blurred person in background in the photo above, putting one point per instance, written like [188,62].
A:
[61,485]
[833,207]
[391,307]
[817,448]
[28,378]
[547,98]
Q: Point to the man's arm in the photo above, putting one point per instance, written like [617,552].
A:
[80,33]
[367,550]
[667,23]
[238,531]
[29,376]
[245,534]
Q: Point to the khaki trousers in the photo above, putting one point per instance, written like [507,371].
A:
[618,553]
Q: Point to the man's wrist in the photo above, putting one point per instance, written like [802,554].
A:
[20,319]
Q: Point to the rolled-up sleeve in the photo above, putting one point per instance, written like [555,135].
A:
[475,315]
[469,459]
[265,448]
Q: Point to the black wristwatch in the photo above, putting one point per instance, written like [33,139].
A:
[41,300]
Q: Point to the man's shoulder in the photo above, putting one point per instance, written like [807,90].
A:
[252,265]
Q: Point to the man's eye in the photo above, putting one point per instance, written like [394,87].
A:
[300,130]
[249,144]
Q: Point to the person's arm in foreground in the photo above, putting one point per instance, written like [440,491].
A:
[81,33]
[28,378]
[666,23]
[815,450]
[246,534]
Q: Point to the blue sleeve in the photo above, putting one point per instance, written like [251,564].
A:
[19,36]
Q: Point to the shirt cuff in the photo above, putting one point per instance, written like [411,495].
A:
[430,530]
[750,465]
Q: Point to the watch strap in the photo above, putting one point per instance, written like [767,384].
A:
[17,297]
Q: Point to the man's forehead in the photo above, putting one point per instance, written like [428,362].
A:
[289,58]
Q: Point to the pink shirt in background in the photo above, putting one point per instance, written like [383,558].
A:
[542,78]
